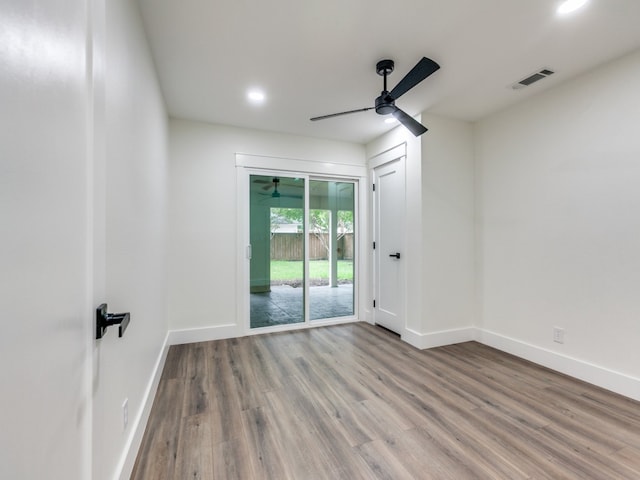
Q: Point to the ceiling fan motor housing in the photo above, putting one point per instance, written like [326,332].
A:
[384,104]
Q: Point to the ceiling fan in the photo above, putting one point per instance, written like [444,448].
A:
[269,184]
[276,193]
[386,103]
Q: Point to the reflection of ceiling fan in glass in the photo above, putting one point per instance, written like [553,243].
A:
[275,185]
[276,193]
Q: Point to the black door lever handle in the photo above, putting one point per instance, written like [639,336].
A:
[397,255]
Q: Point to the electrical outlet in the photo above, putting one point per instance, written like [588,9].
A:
[558,335]
[125,413]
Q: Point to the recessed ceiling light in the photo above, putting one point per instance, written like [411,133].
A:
[256,96]
[569,6]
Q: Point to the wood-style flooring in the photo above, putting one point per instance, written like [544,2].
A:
[354,402]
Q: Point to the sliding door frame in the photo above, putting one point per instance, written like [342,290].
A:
[247,165]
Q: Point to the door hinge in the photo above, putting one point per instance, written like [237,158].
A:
[374,245]
[374,187]
[374,304]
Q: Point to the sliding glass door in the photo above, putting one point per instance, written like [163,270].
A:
[302,249]
[277,270]
[331,252]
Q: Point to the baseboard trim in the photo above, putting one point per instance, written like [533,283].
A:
[128,459]
[438,339]
[205,334]
[602,377]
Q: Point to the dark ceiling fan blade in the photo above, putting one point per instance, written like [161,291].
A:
[422,70]
[408,121]
[269,187]
[341,113]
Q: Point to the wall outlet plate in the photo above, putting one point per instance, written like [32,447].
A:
[558,335]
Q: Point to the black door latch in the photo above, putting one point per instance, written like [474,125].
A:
[105,320]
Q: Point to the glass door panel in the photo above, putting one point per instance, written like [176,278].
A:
[276,235]
[331,249]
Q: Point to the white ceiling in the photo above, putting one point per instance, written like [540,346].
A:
[315,57]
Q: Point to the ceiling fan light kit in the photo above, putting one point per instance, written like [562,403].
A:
[385,104]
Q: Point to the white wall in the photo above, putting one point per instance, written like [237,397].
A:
[44,230]
[83,206]
[559,203]
[203,213]
[131,203]
[448,229]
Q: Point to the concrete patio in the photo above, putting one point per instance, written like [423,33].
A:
[283,305]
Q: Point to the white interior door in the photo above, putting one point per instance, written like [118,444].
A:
[389,199]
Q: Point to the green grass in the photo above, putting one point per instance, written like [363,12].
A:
[318,269]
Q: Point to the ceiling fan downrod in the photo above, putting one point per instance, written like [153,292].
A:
[384,103]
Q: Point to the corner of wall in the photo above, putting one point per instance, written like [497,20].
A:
[424,341]
[477,230]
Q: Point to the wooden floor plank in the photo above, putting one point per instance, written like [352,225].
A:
[158,452]
[424,457]
[194,463]
[267,452]
[225,413]
[295,435]
[382,462]
[197,383]
[232,460]
[630,458]
[355,402]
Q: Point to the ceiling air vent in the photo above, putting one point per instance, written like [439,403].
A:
[533,78]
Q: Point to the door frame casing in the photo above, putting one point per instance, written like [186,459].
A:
[399,152]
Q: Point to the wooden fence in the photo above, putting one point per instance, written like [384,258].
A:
[290,246]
